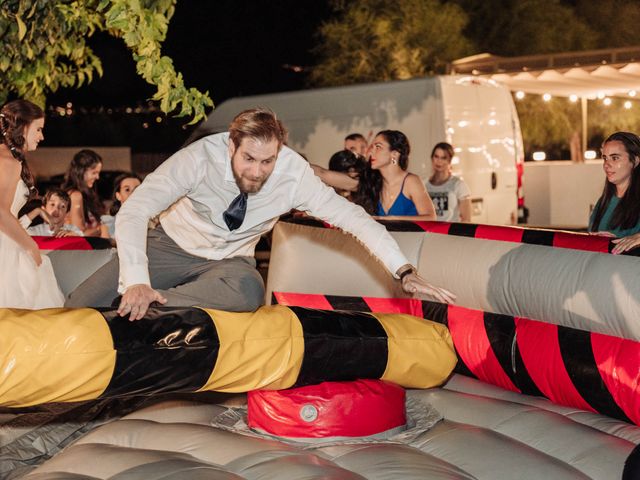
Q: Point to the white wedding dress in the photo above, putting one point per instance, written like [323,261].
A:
[22,283]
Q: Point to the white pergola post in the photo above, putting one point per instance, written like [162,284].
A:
[583,103]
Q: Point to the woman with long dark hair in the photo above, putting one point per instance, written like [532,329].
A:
[123,187]
[26,275]
[385,187]
[79,183]
[617,211]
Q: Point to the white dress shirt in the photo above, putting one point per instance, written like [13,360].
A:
[195,186]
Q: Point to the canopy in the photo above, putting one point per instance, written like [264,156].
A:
[588,74]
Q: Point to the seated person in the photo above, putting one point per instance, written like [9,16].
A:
[80,183]
[53,211]
[123,187]
[617,211]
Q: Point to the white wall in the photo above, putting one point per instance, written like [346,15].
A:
[560,193]
[48,161]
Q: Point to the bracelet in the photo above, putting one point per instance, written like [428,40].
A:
[406,272]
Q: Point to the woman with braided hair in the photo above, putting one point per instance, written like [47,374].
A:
[26,276]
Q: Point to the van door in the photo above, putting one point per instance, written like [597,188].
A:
[479,122]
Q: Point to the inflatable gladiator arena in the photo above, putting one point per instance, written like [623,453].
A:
[533,373]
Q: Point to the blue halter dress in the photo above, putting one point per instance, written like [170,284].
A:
[402,205]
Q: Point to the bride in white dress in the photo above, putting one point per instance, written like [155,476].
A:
[26,276]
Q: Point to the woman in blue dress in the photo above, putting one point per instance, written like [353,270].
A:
[385,188]
[617,211]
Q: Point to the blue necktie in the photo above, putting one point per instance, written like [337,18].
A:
[234,215]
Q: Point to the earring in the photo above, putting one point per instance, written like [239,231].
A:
[394,161]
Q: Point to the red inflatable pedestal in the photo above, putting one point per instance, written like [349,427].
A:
[360,408]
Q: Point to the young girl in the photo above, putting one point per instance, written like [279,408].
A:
[79,183]
[123,187]
[26,276]
[450,195]
[386,189]
[617,211]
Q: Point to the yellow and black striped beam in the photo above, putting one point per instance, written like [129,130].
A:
[63,355]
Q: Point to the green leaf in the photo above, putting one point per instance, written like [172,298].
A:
[50,50]
[22,28]
[103,4]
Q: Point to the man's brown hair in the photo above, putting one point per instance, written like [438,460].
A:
[259,123]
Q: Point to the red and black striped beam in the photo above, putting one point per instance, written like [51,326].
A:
[73,243]
[549,238]
[591,371]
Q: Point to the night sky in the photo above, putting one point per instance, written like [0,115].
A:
[228,47]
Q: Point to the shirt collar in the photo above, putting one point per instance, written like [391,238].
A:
[228,173]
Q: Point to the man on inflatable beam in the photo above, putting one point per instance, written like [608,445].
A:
[217,197]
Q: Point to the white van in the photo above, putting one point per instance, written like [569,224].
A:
[476,116]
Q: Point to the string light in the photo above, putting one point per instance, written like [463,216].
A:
[627,104]
[632,93]
[539,156]
[607,101]
[520,95]
[546,97]
[573,98]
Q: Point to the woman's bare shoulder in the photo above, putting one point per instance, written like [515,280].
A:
[75,195]
[414,182]
[10,168]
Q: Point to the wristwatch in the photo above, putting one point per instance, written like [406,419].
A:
[405,270]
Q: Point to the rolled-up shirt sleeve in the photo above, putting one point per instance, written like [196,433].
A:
[25,221]
[172,180]
[321,201]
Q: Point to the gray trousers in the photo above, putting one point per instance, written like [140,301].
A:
[231,284]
